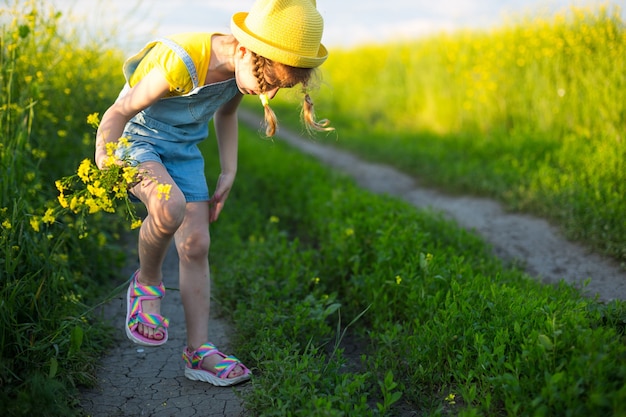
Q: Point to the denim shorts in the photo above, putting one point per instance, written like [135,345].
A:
[183,161]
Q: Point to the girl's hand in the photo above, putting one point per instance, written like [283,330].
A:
[216,203]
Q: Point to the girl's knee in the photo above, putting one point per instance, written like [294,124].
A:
[168,214]
[194,246]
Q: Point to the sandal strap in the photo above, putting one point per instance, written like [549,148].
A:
[139,290]
[222,369]
[199,354]
[155,321]
[225,366]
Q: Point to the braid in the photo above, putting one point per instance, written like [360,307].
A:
[270,117]
[259,72]
[308,116]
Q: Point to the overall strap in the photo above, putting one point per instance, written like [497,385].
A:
[184,56]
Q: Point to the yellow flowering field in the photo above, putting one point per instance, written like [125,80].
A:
[531,111]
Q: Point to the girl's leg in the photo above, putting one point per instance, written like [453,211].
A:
[165,215]
[192,242]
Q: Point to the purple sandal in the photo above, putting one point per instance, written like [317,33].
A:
[135,316]
[195,372]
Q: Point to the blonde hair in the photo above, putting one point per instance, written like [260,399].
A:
[271,74]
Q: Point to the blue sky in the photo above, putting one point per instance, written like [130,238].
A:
[347,22]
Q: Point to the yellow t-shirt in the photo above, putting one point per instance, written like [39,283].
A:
[160,56]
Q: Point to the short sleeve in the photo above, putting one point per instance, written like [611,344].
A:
[171,66]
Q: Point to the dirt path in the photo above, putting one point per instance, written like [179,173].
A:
[148,381]
[532,242]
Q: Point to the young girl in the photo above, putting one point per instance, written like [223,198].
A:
[174,87]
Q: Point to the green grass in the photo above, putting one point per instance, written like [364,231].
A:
[301,252]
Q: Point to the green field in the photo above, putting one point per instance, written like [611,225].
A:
[343,303]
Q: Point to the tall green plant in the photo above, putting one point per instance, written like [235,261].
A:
[48,344]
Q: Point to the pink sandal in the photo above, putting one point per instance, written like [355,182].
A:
[135,315]
[195,372]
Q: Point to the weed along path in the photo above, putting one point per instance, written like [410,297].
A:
[530,242]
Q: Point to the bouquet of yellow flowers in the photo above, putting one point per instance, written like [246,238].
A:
[91,190]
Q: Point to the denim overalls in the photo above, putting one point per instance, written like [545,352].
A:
[169,130]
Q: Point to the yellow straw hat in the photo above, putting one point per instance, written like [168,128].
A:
[285,31]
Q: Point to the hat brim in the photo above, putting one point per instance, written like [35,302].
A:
[267,50]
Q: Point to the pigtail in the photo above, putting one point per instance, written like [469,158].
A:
[271,123]
[308,117]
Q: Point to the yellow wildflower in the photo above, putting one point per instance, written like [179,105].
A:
[110,148]
[120,192]
[274,219]
[106,204]
[123,142]
[48,216]
[93,205]
[130,174]
[110,161]
[34,223]
[6,224]
[398,279]
[93,120]
[96,190]
[163,191]
[83,170]
[135,224]
[63,201]
[74,204]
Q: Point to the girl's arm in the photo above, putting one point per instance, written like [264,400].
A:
[147,91]
[226,131]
